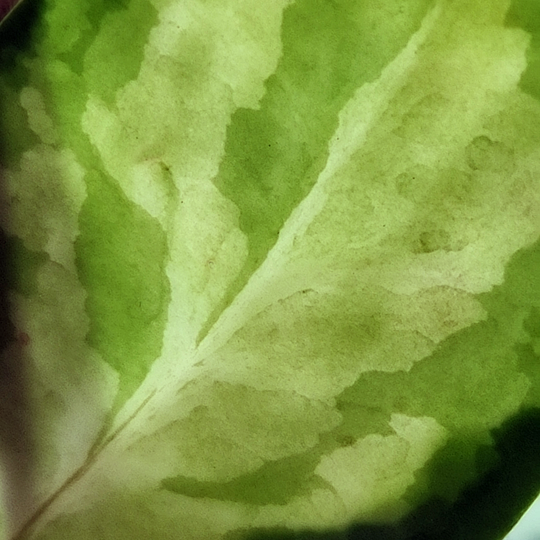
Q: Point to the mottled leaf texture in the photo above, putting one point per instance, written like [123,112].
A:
[272,269]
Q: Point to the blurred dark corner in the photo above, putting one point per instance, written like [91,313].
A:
[15,418]
[15,439]
[6,6]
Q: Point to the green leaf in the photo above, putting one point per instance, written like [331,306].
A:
[276,264]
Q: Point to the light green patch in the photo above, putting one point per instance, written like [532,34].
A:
[121,257]
[526,14]
[83,29]
[45,194]
[225,431]
[126,30]
[38,120]
[371,475]
[467,393]
[71,18]
[66,102]
[318,341]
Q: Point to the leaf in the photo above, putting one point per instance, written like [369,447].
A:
[270,259]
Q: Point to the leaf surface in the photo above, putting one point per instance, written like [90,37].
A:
[277,260]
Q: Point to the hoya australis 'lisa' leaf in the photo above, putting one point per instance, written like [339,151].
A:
[274,267]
